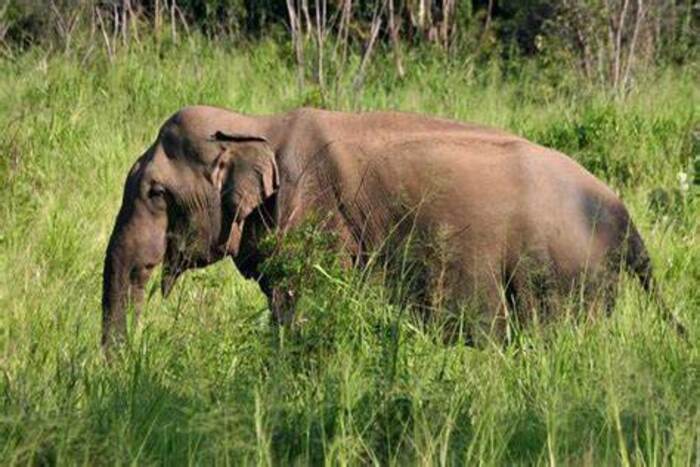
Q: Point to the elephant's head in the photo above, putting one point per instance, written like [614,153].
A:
[185,201]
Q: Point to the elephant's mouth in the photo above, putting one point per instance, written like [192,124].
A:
[179,258]
[170,275]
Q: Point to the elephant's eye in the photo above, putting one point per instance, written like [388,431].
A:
[156,191]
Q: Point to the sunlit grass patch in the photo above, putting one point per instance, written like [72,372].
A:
[205,378]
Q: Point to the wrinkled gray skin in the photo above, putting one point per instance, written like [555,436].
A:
[520,222]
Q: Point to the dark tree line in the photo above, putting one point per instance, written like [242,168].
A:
[606,39]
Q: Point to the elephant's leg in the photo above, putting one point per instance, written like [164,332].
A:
[539,292]
[532,293]
[282,304]
[595,293]
[479,311]
[281,300]
[493,316]
[468,307]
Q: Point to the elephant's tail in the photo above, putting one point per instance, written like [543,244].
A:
[637,261]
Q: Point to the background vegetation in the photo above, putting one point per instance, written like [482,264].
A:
[204,379]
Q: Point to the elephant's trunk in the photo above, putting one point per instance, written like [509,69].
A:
[115,292]
[134,249]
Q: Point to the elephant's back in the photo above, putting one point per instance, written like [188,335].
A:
[383,127]
[498,189]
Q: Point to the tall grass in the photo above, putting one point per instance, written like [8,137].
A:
[204,379]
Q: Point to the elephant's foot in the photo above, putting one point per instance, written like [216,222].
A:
[282,304]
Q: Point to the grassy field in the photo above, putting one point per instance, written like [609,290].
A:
[205,380]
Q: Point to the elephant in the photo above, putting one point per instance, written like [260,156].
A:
[520,223]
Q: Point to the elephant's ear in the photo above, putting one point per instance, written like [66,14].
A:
[245,173]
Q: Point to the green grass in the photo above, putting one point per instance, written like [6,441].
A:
[205,379]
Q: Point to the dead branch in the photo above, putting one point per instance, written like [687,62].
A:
[103,29]
[320,39]
[295,28]
[641,12]
[395,44]
[374,32]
